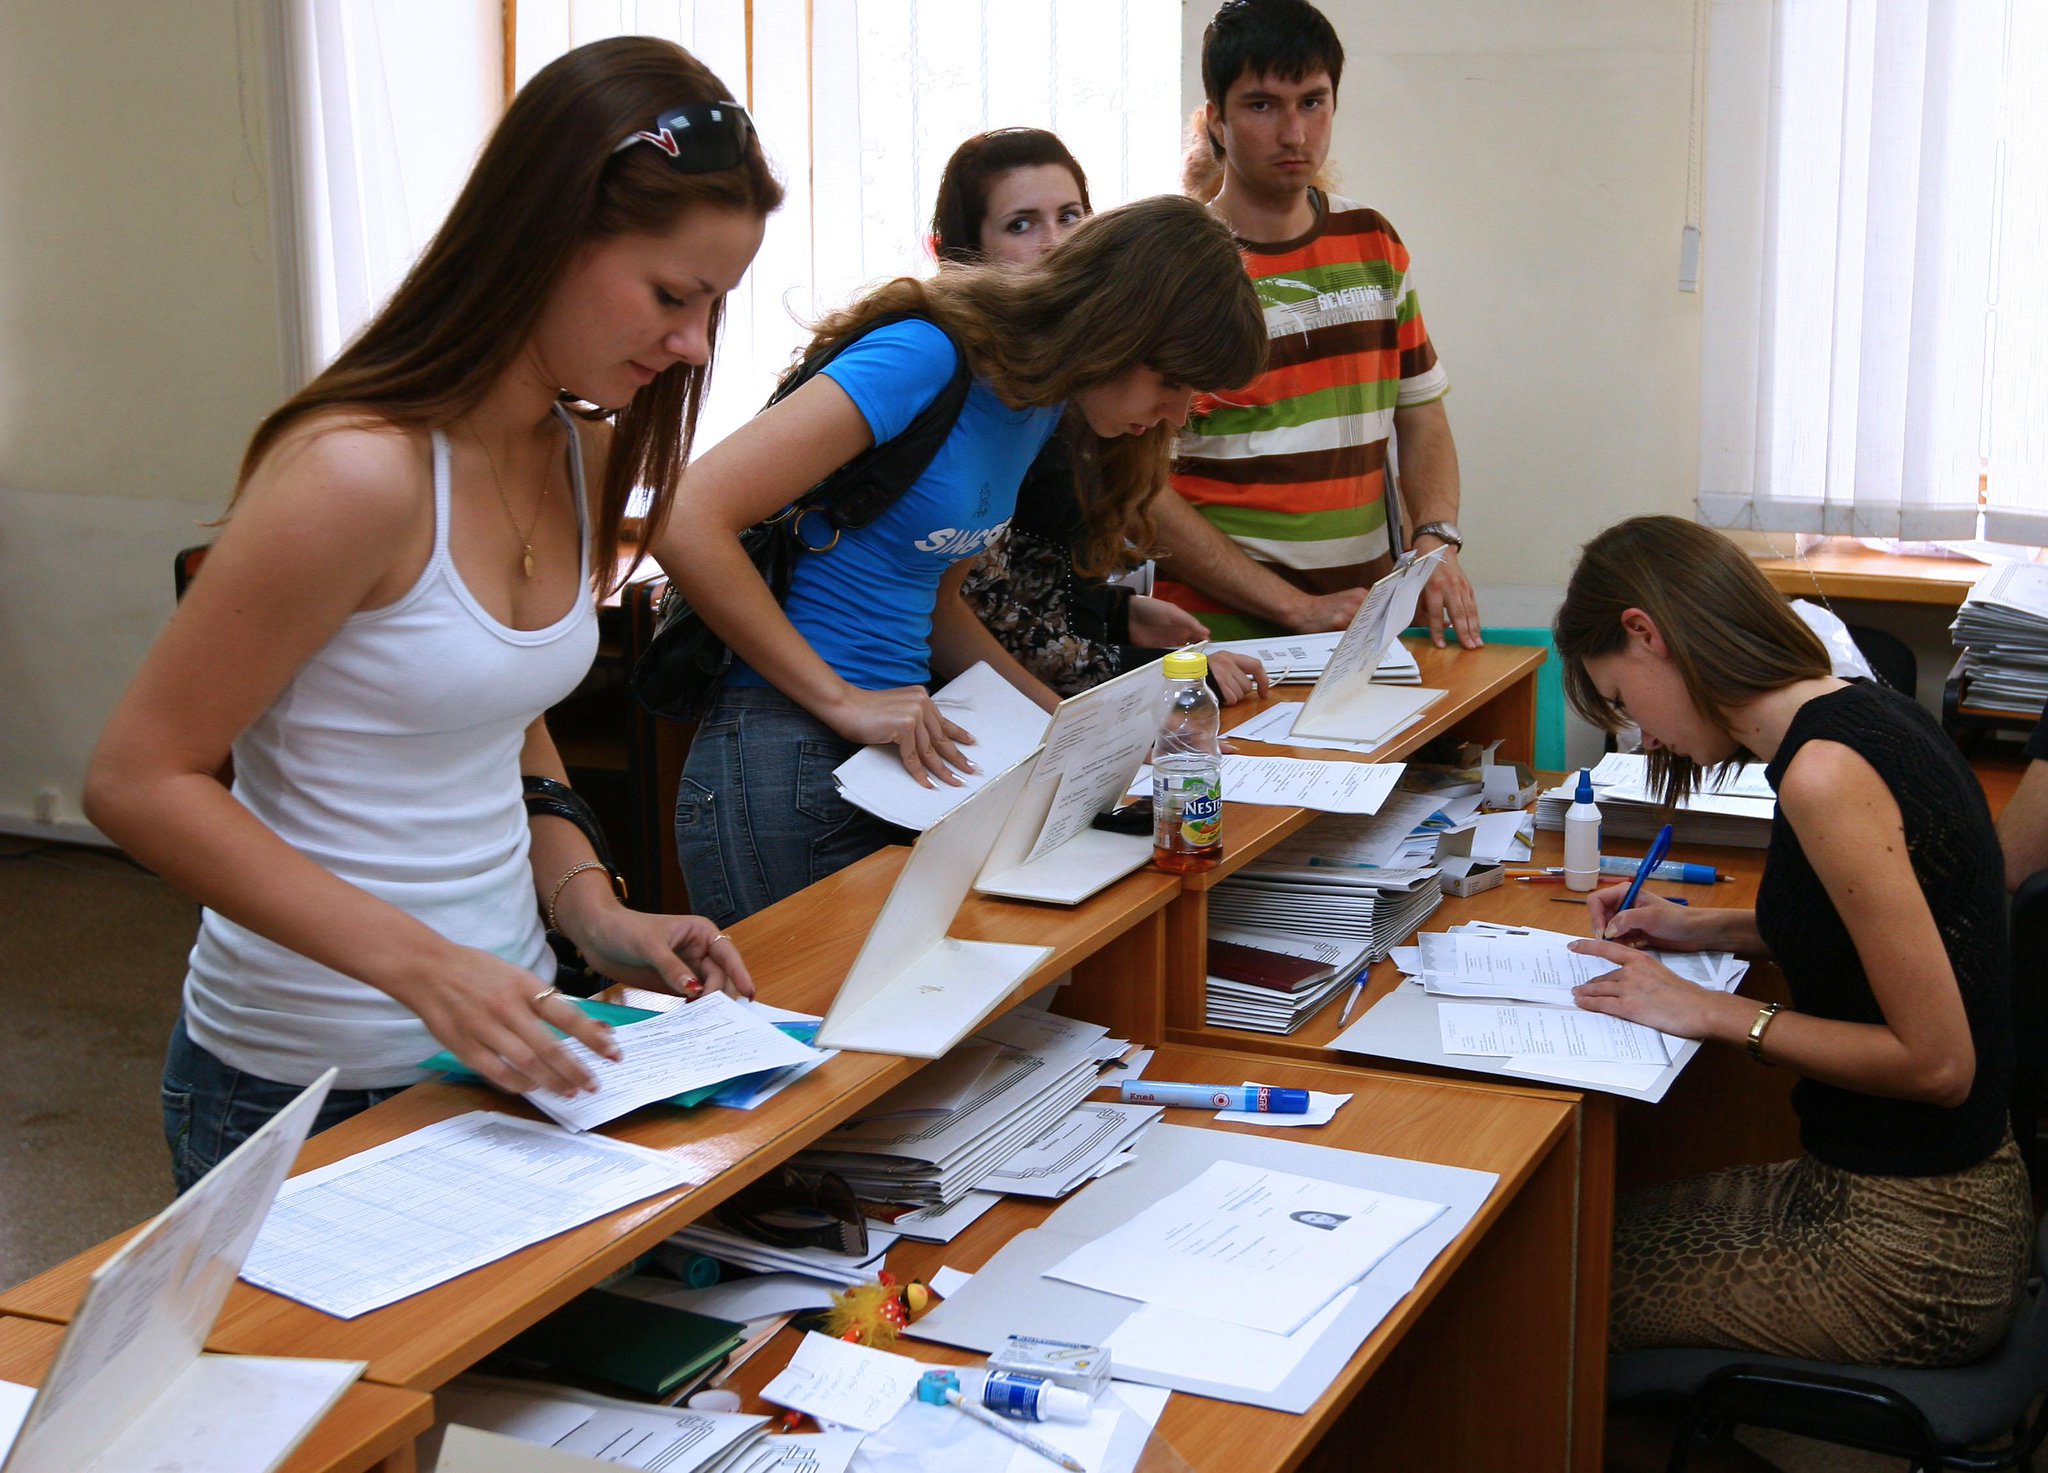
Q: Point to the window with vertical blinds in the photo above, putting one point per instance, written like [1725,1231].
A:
[1875,269]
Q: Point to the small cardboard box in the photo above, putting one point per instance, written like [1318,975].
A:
[1458,873]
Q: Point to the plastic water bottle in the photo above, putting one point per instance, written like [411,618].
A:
[1187,769]
[1582,837]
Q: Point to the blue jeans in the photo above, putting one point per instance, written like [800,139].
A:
[758,816]
[211,1107]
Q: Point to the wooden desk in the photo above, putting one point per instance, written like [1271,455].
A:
[1843,568]
[370,1430]
[799,951]
[1494,1311]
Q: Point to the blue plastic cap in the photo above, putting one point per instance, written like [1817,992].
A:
[1287,1102]
[932,1386]
[1585,792]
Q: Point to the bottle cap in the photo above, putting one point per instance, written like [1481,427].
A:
[1286,1101]
[1186,665]
[1585,792]
[932,1387]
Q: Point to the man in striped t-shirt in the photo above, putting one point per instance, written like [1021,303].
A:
[1280,519]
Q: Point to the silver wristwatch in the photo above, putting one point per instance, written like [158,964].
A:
[1442,532]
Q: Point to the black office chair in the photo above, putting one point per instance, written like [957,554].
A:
[1889,657]
[1976,1417]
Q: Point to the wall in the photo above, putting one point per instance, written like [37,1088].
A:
[138,345]
[1533,157]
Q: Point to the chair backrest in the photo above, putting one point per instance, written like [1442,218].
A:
[2030,1014]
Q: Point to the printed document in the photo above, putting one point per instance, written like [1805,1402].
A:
[1095,741]
[1276,724]
[382,1225]
[1264,1249]
[1006,725]
[1571,1033]
[1295,782]
[704,1042]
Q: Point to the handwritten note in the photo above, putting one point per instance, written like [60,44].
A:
[849,1384]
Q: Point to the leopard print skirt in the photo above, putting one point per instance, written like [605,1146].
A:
[1801,1259]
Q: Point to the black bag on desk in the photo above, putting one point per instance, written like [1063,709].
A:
[680,670]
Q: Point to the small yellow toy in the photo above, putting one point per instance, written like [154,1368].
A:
[875,1314]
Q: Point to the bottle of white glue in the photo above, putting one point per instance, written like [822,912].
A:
[1582,837]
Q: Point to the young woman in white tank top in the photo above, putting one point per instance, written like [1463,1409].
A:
[404,585]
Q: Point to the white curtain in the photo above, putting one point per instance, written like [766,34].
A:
[377,109]
[1875,342]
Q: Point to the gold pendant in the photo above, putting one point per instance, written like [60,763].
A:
[526,562]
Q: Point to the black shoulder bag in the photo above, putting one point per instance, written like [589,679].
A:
[680,670]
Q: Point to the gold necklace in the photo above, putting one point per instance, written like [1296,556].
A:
[526,537]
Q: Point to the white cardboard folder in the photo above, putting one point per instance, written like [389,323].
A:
[1344,703]
[130,1390]
[1096,743]
[913,989]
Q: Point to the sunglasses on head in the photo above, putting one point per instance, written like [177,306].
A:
[701,138]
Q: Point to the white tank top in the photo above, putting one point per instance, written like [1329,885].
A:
[392,760]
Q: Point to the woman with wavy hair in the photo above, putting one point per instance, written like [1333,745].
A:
[1139,309]
[405,581]
[1900,1237]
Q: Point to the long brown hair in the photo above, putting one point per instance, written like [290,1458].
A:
[1156,283]
[546,183]
[1731,635]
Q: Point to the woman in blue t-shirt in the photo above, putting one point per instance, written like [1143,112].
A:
[1141,308]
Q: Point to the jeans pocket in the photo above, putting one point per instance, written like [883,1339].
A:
[700,852]
[176,1098]
[817,795]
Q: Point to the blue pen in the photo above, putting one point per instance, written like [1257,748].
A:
[1659,847]
[1257,1097]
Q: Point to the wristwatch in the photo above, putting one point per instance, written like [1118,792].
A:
[1442,532]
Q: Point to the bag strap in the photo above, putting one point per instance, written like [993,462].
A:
[870,483]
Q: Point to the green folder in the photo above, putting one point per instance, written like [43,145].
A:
[634,1343]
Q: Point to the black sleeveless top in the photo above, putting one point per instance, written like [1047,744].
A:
[1955,855]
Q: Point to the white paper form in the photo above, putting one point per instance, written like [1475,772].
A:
[775,1082]
[1006,725]
[382,1225]
[849,1384]
[1260,1248]
[1097,739]
[611,1430]
[1288,658]
[1344,702]
[1068,1154]
[704,1042]
[129,1390]
[1540,966]
[1295,782]
[1276,723]
[1508,1029]
[1175,1342]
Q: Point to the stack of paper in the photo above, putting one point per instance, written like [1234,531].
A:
[1736,810]
[1381,908]
[1299,659]
[2002,628]
[843,1269]
[630,1433]
[1041,1068]
[1093,1139]
[1263,1007]
[1486,960]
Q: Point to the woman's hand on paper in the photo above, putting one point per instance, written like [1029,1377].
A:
[495,1018]
[1651,921]
[686,955]
[1238,677]
[907,719]
[1644,990]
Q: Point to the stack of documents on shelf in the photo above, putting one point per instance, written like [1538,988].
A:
[2002,628]
[1093,1139]
[1380,908]
[843,1269]
[1734,810]
[934,1139]
[1275,981]
[1299,659]
[632,1434]
[1152,1262]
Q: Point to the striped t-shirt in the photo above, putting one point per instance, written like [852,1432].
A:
[1293,467]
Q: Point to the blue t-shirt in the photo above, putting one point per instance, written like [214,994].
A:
[866,605]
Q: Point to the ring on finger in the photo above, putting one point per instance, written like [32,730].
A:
[542,996]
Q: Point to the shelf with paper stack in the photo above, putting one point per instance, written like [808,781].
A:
[1734,811]
[2000,679]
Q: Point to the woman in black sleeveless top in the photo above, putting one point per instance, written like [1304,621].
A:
[1901,1235]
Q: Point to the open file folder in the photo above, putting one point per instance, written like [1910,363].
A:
[913,989]
[1345,702]
[1047,849]
[131,1390]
